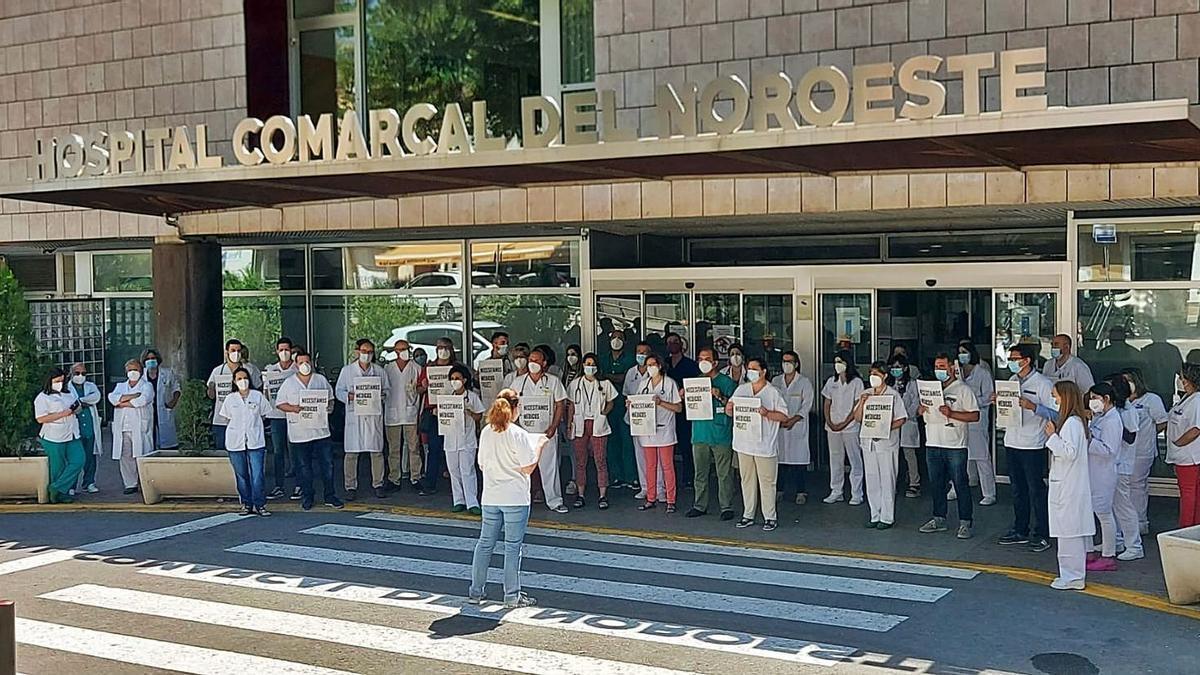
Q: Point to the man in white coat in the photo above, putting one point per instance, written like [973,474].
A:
[167,391]
[364,423]
[133,421]
[542,403]
[400,415]
[1063,365]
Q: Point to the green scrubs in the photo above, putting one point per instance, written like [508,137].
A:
[622,468]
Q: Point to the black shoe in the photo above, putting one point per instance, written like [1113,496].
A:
[276,493]
[426,492]
[262,512]
[380,493]
[602,504]
[695,513]
[297,494]
[335,503]
[1038,545]
[744,522]
[579,503]
[670,508]
[1012,539]
[307,505]
[727,515]
[351,495]
[390,487]
[130,491]
[246,511]
[648,506]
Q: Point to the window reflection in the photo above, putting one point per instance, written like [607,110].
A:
[255,269]
[1142,251]
[552,319]
[415,266]
[122,272]
[527,264]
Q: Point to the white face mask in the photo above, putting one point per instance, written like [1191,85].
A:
[876,381]
[652,371]
[235,357]
[839,367]
[284,356]
[365,357]
[520,362]
[753,375]
[305,368]
[735,359]
[706,367]
[590,371]
[456,385]
[535,367]
[135,375]
[78,379]
[501,350]
[572,359]
[443,353]
[56,385]
[617,344]
[1096,405]
[242,385]
[789,367]
[404,355]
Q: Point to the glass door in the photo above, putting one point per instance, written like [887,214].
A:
[846,323]
[768,327]
[1020,316]
[718,322]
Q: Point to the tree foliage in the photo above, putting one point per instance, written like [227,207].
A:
[376,316]
[22,367]
[255,321]
[193,415]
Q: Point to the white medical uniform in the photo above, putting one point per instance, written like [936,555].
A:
[1103,448]
[910,433]
[979,434]
[1151,413]
[1073,369]
[634,379]
[550,387]
[364,433]
[844,444]
[461,449]
[1129,536]
[793,443]
[758,462]
[245,415]
[1070,511]
[881,461]
[132,428]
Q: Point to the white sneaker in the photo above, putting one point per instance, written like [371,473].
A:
[641,494]
[1130,554]
[71,492]
[832,499]
[572,488]
[987,501]
[92,489]
[1061,584]
[855,501]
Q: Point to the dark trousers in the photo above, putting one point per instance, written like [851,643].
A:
[279,450]
[683,448]
[792,480]
[435,461]
[89,463]
[1027,471]
[304,457]
[949,465]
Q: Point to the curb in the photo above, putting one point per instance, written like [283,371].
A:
[1028,575]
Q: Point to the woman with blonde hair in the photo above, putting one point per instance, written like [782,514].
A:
[507,456]
[1070,499]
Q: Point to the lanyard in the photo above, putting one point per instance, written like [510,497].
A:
[588,395]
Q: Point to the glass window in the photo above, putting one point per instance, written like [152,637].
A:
[35,273]
[618,311]
[307,8]
[469,50]
[718,321]
[1011,245]
[1138,251]
[260,321]
[254,269]
[578,43]
[1024,317]
[551,319]
[432,265]
[666,313]
[327,70]
[757,250]
[122,272]
[845,317]
[339,321]
[768,328]
[527,264]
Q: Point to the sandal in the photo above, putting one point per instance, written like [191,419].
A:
[670,508]
[603,503]
[579,503]
[648,506]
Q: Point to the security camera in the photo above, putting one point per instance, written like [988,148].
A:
[172,220]
[931,282]
[689,285]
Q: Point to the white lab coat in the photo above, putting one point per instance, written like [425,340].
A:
[793,443]
[168,385]
[363,433]
[91,397]
[1103,448]
[979,443]
[910,433]
[139,418]
[1070,490]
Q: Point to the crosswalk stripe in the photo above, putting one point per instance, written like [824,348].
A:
[731,642]
[351,633]
[705,570]
[602,588]
[694,547]
[156,653]
[56,556]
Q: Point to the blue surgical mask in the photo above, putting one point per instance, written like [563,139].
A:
[1055,352]
[897,372]
[151,363]
[1014,366]
[964,358]
[941,375]
[641,359]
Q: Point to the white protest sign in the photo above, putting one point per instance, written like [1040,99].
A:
[930,393]
[314,409]
[877,417]
[491,378]
[368,396]
[272,380]
[439,380]
[224,386]
[450,415]
[536,412]
[1008,403]
[641,415]
[697,398]
[747,422]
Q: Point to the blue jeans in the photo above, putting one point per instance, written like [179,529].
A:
[1027,471]
[218,434]
[89,463]
[513,520]
[248,469]
[949,464]
[304,455]
[435,461]
[279,449]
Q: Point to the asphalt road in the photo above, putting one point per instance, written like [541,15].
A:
[334,592]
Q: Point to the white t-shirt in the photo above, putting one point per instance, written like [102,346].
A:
[468,437]
[947,433]
[275,413]
[664,420]
[403,404]
[589,399]
[843,396]
[547,385]
[501,456]
[899,412]
[1151,413]
[1182,417]
[245,415]
[771,399]
[290,393]
[63,430]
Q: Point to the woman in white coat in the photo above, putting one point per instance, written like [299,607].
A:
[840,394]
[794,453]
[133,422]
[167,390]
[1070,503]
[978,378]
[1106,431]
[881,456]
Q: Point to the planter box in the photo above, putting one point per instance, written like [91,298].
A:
[172,475]
[25,477]
[1180,552]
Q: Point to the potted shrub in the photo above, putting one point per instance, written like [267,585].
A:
[197,469]
[23,472]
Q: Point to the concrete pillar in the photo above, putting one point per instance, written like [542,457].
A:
[187,305]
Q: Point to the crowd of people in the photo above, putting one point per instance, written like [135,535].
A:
[628,412]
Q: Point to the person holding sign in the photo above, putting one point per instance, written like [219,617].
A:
[757,446]
[273,377]
[362,385]
[1025,450]
[591,399]
[458,430]
[881,414]
[403,407]
[500,352]
[246,442]
[434,382]
[133,422]
[840,394]
[660,445]
[307,400]
[794,455]
[978,378]
[712,439]
[910,433]
[1071,520]
[946,446]
[542,404]
[635,378]
[220,385]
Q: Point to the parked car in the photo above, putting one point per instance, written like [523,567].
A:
[444,308]
[425,335]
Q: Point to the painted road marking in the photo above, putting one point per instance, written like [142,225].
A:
[693,547]
[57,556]
[620,590]
[705,570]
[156,653]
[725,641]
[337,631]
